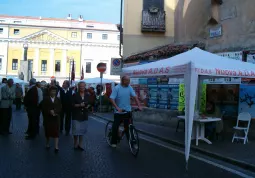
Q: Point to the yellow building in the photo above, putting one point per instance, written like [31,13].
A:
[147,24]
[53,44]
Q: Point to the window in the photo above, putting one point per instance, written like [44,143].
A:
[104,36]
[16,32]
[44,66]
[57,66]
[14,64]
[2,21]
[1,30]
[89,35]
[153,3]
[90,26]
[88,67]
[118,37]
[1,63]
[30,65]
[74,34]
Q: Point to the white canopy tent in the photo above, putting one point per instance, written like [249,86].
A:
[193,65]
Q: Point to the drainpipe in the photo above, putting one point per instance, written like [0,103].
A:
[121,29]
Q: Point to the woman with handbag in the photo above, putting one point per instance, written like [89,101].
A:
[51,108]
[80,115]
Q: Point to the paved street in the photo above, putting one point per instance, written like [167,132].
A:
[28,159]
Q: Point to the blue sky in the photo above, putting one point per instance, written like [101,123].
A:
[99,10]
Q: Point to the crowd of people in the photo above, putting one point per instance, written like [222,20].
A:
[61,108]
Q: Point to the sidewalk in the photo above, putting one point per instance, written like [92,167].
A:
[234,153]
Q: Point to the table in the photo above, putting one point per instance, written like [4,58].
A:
[200,127]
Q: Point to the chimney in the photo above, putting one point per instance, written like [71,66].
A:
[80,18]
[69,17]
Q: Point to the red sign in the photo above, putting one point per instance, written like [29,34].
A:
[101,67]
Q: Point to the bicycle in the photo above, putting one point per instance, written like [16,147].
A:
[133,134]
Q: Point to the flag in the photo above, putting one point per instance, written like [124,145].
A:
[73,73]
[82,73]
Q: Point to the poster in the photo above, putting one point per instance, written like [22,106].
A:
[173,97]
[247,99]
[181,105]
[163,100]
[232,55]
[153,96]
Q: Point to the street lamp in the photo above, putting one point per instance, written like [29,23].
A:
[70,61]
[25,46]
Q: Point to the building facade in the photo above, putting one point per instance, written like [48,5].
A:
[54,43]
[219,26]
[147,24]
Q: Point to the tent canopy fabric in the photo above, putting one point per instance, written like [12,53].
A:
[204,63]
[191,65]
[97,80]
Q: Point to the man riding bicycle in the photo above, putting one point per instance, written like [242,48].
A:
[120,99]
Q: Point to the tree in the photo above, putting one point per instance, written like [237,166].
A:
[248,99]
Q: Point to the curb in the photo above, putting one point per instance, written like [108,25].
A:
[232,161]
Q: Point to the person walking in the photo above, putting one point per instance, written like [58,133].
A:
[19,95]
[7,97]
[32,101]
[4,81]
[66,101]
[80,116]
[51,108]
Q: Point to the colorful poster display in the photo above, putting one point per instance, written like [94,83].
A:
[247,99]
[173,97]
[181,106]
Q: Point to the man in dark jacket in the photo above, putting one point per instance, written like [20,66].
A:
[32,102]
[66,101]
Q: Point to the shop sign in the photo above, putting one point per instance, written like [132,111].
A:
[232,55]
[215,32]
[232,80]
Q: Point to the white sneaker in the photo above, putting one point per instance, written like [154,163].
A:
[114,145]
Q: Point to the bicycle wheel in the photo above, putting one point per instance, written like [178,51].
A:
[108,132]
[133,141]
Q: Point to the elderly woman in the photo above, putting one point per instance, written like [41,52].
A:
[51,108]
[80,115]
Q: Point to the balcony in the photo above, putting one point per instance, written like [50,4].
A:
[153,20]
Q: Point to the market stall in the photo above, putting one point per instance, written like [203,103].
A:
[194,66]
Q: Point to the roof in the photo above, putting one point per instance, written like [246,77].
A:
[50,19]
[164,52]
[203,62]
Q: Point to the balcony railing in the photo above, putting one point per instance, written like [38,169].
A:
[153,21]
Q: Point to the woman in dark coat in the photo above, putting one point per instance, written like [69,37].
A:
[80,115]
[51,108]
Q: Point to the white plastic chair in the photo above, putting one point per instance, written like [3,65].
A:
[246,117]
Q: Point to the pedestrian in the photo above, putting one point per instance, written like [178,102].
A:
[51,108]
[4,81]
[66,101]
[7,97]
[19,95]
[80,115]
[32,101]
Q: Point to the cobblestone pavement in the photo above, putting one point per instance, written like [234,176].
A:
[20,158]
